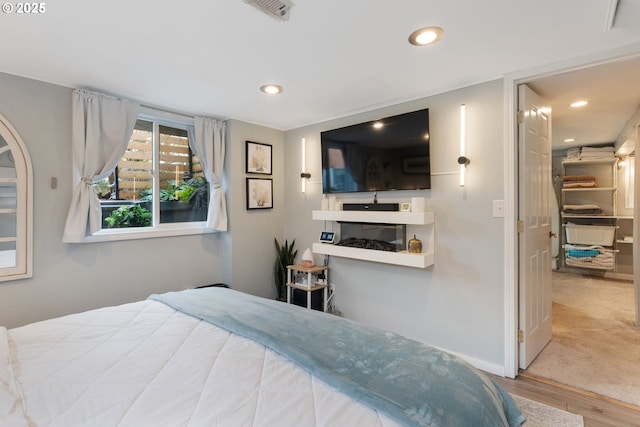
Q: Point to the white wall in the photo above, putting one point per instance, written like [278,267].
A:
[458,303]
[71,278]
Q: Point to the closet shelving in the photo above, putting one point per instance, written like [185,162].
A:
[586,231]
[624,245]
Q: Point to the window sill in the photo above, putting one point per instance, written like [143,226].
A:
[166,230]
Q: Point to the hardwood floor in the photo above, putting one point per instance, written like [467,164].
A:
[597,411]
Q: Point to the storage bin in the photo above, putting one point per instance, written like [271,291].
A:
[595,257]
[590,234]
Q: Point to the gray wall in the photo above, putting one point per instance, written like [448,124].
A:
[71,278]
[248,265]
[458,303]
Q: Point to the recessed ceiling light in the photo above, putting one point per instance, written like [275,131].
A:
[378,125]
[271,89]
[425,36]
[569,140]
[579,104]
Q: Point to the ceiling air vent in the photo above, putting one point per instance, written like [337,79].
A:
[278,9]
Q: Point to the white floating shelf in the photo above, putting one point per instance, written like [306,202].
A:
[422,260]
[380,217]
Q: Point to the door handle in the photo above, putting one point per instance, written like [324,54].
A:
[552,234]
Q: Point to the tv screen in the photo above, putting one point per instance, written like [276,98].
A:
[380,155]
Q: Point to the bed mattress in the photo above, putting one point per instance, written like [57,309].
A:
[146,364]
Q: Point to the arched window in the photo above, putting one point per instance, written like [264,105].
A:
[16,205]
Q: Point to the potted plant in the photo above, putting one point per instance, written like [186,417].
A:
[103,189]
[285,255]
[182,202]
[194,191]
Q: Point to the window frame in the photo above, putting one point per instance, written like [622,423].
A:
[158,118]
[23,268]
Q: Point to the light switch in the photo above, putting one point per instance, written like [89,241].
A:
[498,208]
[54,182]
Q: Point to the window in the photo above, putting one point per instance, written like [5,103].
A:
[158,185]
[16,204]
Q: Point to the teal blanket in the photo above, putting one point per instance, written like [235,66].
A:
[411,382]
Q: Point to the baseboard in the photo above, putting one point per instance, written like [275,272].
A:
[482,365]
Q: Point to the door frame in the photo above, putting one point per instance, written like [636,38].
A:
[511,195]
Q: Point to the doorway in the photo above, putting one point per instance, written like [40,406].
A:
[595,345]
[545,87]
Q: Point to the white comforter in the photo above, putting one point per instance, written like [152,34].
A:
[144,364]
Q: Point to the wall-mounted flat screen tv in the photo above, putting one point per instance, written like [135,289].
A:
[386,154]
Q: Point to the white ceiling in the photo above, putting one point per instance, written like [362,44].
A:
[333,58]
[613,93]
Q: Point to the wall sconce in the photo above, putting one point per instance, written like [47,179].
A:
[463,160]
[304,175]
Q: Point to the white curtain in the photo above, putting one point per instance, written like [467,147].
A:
[208,144]
[102,127]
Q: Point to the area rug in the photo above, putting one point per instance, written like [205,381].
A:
[540,415]
[596,344]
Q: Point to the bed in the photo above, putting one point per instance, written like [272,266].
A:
[219,357]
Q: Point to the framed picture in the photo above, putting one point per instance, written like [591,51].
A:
[258,158]
[259,193]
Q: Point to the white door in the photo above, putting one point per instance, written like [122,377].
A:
[636,229]
[534,210]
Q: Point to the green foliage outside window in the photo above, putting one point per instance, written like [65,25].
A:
[129,216]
